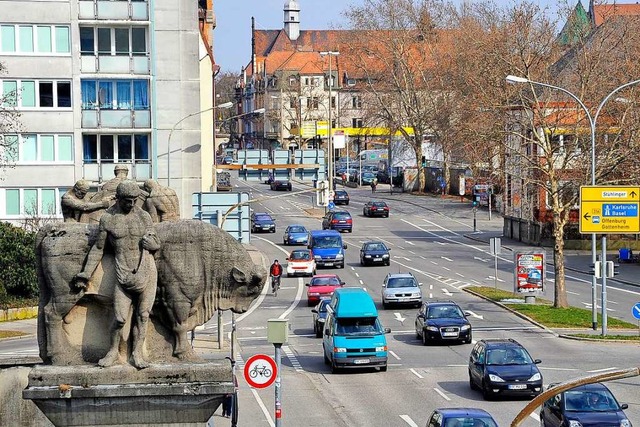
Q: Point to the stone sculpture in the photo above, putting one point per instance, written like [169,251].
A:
[161,203]
[201,269]
[128,229]
[76,205]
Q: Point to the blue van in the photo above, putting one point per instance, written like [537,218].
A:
[353,336]
[328,248]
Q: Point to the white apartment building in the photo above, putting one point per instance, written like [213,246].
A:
[100,83]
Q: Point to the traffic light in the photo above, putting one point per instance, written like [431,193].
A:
[596,269]
[612,269]
[323,193]
[424,162]
[474,204]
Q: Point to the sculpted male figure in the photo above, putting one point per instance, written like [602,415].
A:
[162,202]
[129,231]
[73,202]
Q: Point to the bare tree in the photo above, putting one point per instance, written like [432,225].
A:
[9,126]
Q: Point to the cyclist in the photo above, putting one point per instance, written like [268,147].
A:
[275,272]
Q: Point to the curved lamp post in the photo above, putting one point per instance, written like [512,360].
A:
[592,124]
[330,53]
[197,113]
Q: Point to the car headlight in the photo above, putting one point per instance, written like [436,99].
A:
[339,350]
[465,327]
[416,294]
[625,423]
[535,377]
[385,256]
[432,328]
[574,423]
[317,258]
[339,256]
[321,320]
[495,378]
[367,256]
[383,348]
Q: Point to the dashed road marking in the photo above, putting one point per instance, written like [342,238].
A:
[292,358]
[407,419]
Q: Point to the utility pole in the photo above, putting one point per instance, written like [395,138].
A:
[330,53]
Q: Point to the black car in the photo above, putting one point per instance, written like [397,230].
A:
[442,321]
[338,220]
[463,417]
[503,366]
[319,316]
[375,208]
[374,252]
[280,184]
[341,197]
[585,405]
[261,221]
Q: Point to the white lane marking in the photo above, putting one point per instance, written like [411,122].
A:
[461,275]
[407,419]
[477,316]
[357,275]
[265,411]
[557,369]
[535,416]
[361,282]
[412,253]
[572,293]
[411,243]
[448,269]
[442,394]
[423,257]
[394,355]
[440,243]
[446,292]
[353,269]
[416,373]
[480,259]
[433,262]
[400,247]
[602,370]
[446,259]
[292,358]
[399,317]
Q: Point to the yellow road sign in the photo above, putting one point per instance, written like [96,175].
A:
[609,209]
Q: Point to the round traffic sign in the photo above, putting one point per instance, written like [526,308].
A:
[260,371]
[331,206]
[636,310]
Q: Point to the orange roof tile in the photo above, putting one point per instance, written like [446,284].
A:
[603,12]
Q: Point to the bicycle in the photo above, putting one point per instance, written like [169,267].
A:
[275,285]
[263,371]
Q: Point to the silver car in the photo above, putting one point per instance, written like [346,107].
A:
[401,288]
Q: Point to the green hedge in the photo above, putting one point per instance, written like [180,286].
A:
[18,277]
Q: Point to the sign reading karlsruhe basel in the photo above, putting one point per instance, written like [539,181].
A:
[609,209]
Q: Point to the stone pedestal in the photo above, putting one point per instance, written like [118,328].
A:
[161,395]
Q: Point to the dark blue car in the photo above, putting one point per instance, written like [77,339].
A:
[296,234]
[374,253]
[461,417]
[320,316]
[586,405]
[261,221]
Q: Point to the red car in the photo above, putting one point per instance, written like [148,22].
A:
[322,285]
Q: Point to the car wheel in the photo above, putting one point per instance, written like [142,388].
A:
[341,265]
[334,368]
[350,230]
[361,262]
[486,393]
[469,339]
[309,303]
[418,333]
[542,423]
[289,274]
[347,203]
[384,305]
[388,262]
[424,339]
[273,231]
[383,368]
[364,213]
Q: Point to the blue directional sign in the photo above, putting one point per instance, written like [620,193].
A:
[636,310]
[619,209]
[331,206]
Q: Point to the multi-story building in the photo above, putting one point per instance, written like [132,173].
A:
[99,83]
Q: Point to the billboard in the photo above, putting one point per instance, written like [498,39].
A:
[530,272]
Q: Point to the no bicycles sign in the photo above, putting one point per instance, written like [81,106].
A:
[260,371]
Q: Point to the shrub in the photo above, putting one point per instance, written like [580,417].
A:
[18,276]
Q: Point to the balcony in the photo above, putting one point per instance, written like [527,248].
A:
[116,119]
[139,170]
[125,64]
[134,10]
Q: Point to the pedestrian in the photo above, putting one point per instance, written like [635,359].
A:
[374,184]
[227,405]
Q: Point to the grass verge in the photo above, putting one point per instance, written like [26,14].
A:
[546,314]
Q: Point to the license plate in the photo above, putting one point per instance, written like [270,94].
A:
[449,334]
[342,222]
[328,264]
[377,259]
[361,361]
[517,386]
[403,299]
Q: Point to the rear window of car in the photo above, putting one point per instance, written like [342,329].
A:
[341,193]
[342,215]
[324,281]
[379,204]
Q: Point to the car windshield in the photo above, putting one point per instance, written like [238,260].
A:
[358,326]
[263,218]
[327,242]
[374,247]
[508,356]
[401,282]
[300,256]
[323,306]
[295,229]
[341,193]
[342,215]
[444,312]
[324,281]
[469,422]
[590,401]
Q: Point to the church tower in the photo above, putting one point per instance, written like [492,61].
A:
[292,19]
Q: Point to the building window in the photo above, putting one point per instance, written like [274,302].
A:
[293,102]
[115,94]
[34,39]
[115,148]
[40,148]
[31,202]
[292,81]
[356,123]
[356,101]
[333,102]
[113,41]
[313,103]
[36,93]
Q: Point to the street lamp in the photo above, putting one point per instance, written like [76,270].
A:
[592,123]
[330,53]
[220,106]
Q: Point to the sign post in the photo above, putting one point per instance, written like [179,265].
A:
[635,310]
[278,334]
[495,247]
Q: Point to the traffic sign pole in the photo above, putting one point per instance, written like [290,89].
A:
[278,415]
[604,286]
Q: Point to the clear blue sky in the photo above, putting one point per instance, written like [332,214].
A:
[232,43]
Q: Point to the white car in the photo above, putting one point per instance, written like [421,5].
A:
[301,263]
[401,288]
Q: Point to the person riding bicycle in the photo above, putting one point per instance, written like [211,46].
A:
[275,272]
